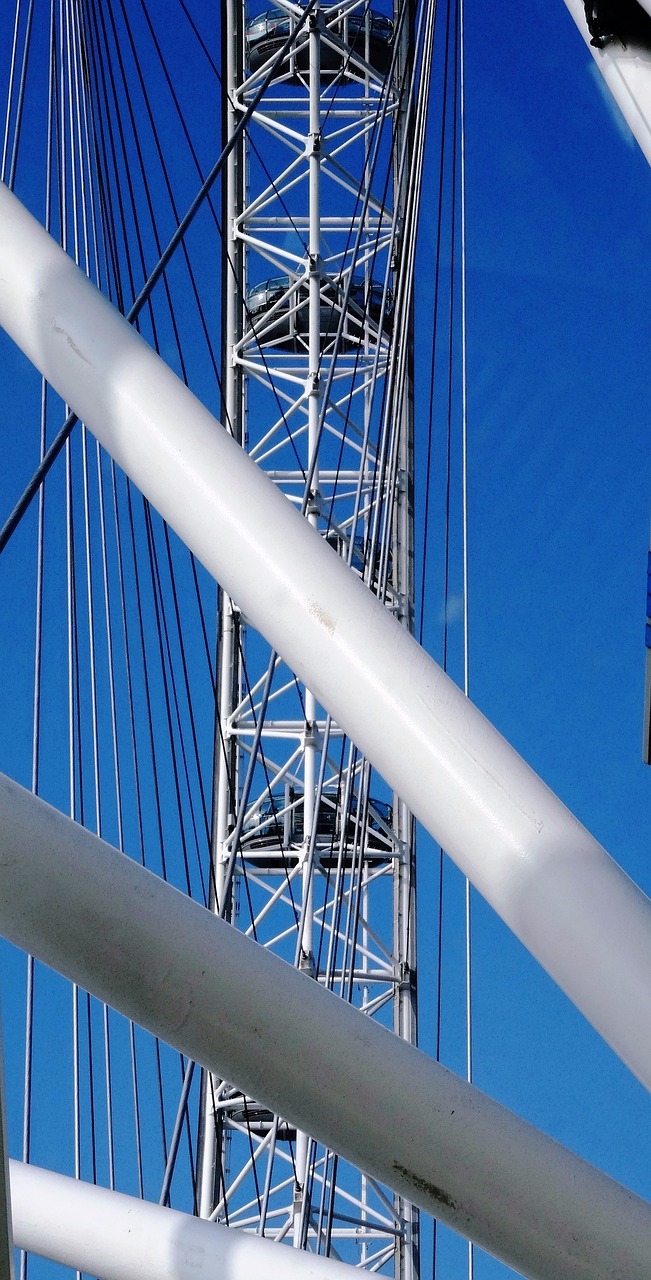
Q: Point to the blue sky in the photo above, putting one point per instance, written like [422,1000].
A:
[558,201]
[559,262]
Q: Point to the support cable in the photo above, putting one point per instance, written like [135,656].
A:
[21,99]
[10,90]
[38,662]
[464,505]
[177,1133]
[78,125]
[432,387]
[134,311]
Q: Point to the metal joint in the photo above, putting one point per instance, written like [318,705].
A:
[401,610]
[307,964]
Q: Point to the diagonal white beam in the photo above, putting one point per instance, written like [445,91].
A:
[547,877]
[627,73]
[163,960]
[116,1237]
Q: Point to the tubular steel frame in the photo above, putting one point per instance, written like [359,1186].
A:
[536,866]
[317,388]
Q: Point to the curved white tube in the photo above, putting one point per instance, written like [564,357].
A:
[175,968]
[568,902]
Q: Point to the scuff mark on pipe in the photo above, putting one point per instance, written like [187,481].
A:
[322,617]
[430,1188]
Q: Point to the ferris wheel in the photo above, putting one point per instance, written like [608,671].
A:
[262,749]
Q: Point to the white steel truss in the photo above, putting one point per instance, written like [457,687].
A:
[313,855]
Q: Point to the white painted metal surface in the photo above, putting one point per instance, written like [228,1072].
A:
[559,891]
[117,1237]
[6,1241]
[96,916]
[627,72]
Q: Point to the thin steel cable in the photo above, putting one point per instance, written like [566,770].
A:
[122,157]
[110,655]
[164,171]
[186,681]
[170,695]
[90,232]
[129,661]
[21,98]
[439,933]
[145,293]
[465,554]
[199,39]
[160,156]
[108,1077]
[38,658]
[157,797]
[106,159]
[177,1133]
[136,1107]
[450,359]
[167,667]
[10,89]
[72,650]
[174,96]
[144,674]
[80,203]
[136,143]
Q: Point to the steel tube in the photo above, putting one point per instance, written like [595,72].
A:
[96,916]
[6,1241]
[627,73]
[117,1237]
[547,877]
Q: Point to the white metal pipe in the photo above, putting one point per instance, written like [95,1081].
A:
[221,818]
[117,1237]
[313,393]
[168,963]
[627,73]
[6,1241]
[547,877]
